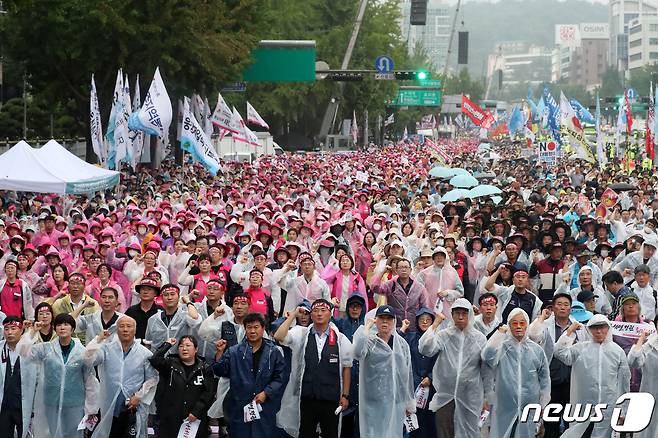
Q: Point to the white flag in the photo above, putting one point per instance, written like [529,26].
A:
[571,123]
[194,141]
[155,115]
[223,116]
[354,130]
[95,124]
[207,115]
[244,134]
[137,136]
[111,123]
[255,118]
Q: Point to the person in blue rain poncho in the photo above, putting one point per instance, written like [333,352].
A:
[521,375]
[255,368]
[459,376]
[386,392]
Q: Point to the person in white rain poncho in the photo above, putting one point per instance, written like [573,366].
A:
[521,374]
[320,374]
[128,381]
[644,355]
[459,375]
[441,281]
[599,369]
[386,392]
[18,379]
[175,321]
[67,389]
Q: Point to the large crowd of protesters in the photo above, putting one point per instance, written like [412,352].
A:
[332,295]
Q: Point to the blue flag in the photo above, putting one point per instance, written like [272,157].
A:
[516,121]
[553,115]
[582,113]
[535,111]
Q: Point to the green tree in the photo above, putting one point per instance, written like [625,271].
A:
[197,44]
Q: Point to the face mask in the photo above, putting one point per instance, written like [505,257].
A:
[377,227]
[440,242]
[76,252]
[604,253]
[132,253]
[141,230]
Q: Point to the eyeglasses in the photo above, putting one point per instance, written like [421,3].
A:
[518,324]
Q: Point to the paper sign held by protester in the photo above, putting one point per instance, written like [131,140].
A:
[609,198]
[438,307]
[422,394]
[584,204]
[189,429]
[411,423]
[630,329]
[362,176]
[252,412]
[88,422]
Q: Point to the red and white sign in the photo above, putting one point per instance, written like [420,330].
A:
[479,116]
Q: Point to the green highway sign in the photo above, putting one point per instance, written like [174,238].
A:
[430,83]
[417,98]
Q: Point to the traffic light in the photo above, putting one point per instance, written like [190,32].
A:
[418,16]
[412,75]
[345,77]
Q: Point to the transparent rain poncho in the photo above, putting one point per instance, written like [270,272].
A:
[599,372]
[122,377]
[459,373]
[522,377]
[646,358]
[29,370]
[66,391]
[386,382]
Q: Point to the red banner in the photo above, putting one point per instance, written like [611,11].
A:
[479,116]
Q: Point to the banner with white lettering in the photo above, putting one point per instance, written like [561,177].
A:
[195,141]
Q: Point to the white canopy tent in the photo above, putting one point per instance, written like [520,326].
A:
[51,169]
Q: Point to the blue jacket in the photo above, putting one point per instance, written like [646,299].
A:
[236,364]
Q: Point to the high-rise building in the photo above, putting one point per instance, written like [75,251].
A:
[432,38]
[620,13]
[520,62]
[642,41]
[581,53]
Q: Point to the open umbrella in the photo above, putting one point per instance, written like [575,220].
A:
[454,195]
[460,171]
[483,190]
[442,172]
[463,181]
[621,187]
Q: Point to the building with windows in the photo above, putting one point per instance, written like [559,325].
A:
[621,13]
[581,53]
[432,38]
[520,62]
[642,41]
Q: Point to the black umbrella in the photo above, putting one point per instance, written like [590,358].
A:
[621,187]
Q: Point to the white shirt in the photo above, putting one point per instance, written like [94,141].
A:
[320,339]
